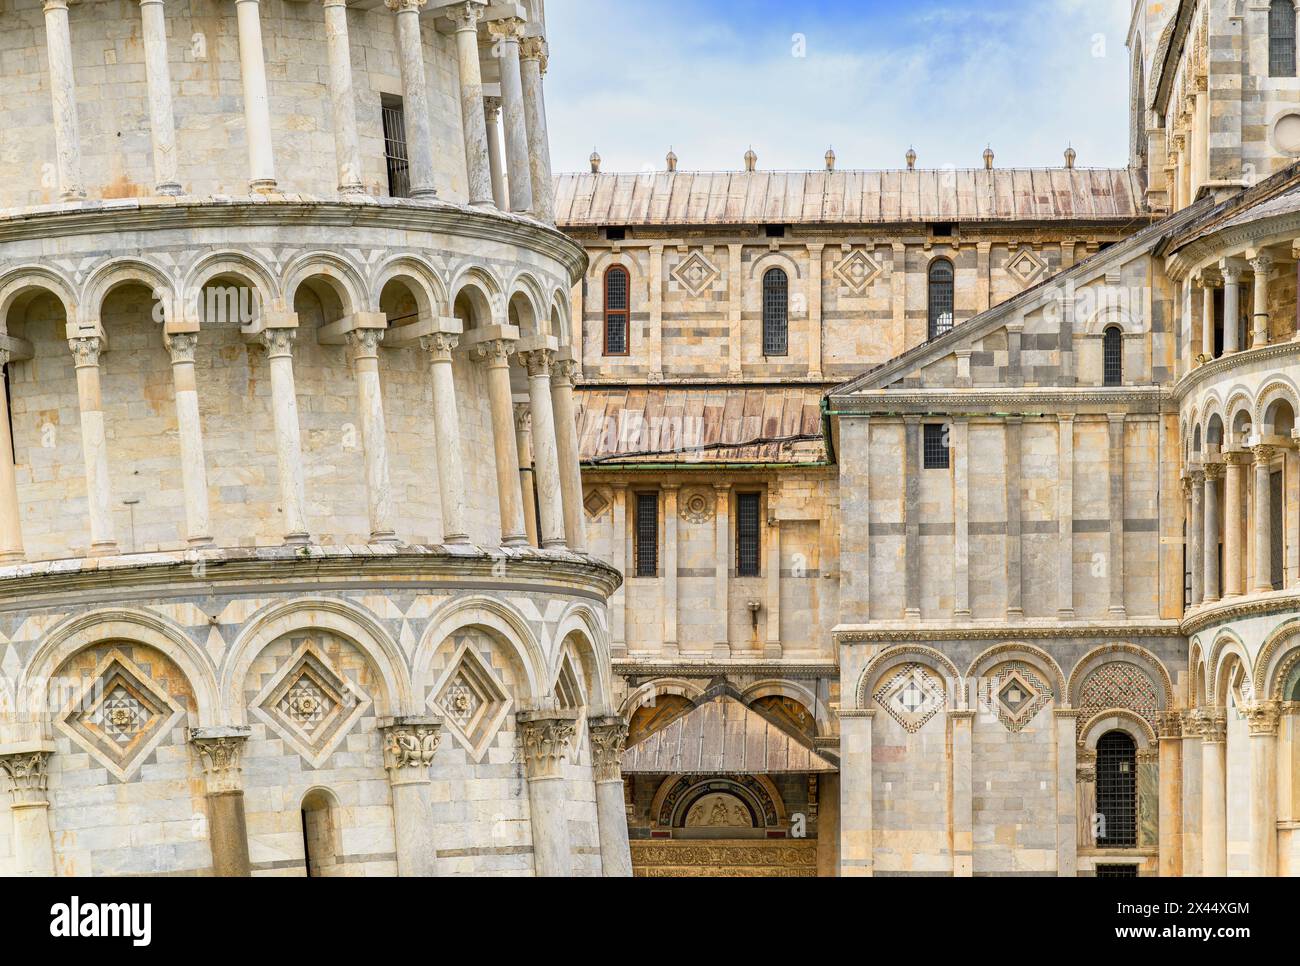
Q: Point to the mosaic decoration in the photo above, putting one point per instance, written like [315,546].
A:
[912,696]
[311,704]
[121,715]
[1015,693]
[857,271]
[1118,684]
[469,698]
[695,273]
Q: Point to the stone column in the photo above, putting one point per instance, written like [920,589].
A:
[505,39]
[608,735]
[94,448]
[618,545]
[158,78]
[722,570]
[1263,717]
[347,150]
[446,428]
[1261,265]
[828,825]
[1231,307]
[1015,548]
[288,441]
[492,119]
[1197,537]
[495,354]
[1234,501]
[219,750]
[772,649]
[1263,520]
[11,529]
[669,582]
[409,746]
[28,774]
[1064,722]
[257,107]
[1065,518]
[1085,783]
[364,344]
[1170,735]
[1191,801]
[550,499]
[1118,511]
[1214,803]
[465,16]
[961,517]
[566,442]
[911,517]
[963,819]
[547,738]
[1213,473]
[194,474]
[415,95]
[1207,319]
[524,446]
[532,66]
[857,835]
[655,284]
[815,310]
[63,93]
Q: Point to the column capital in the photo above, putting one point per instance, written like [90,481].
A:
[464,16]
[1263,453]
[1213,724]
[1234,458]
[403,6]
[523,417]
[86,350]
[279,342]
[507,29]
[1086,771]
[364,343]
[1198,476]
[494,352]
[1230,271]
[1213,472]
[219,750]
[48,5]
[439,345]
[1263,717]
[181,345]
[547,738]
[608,736]
[1262,263]
[409,746]
[1169,724]
[537,361]
[28,774]
[491,107]
[1187,483]
[564,372]
[535,48]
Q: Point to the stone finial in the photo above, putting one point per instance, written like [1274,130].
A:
[1070,155]
[988,158]
[911,159]
[830,159]
[595,162]
[672,160]
[751,161]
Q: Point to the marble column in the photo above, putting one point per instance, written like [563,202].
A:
[669,582]
[857,835]
[1118,512]
[722,571]
[1064,724]
[1207,319]
[1085,786]
[960,518]
[815,270]
[1191,803]
[1014,499]
[828,825]
[492,119]
[608,736]
[409,746]
[1210,540]
[446,430]
[94,447]
[963,819]
[11,529]
[219,751]
[547,738]
[550,499]
[63,93]
[1261,265]
[1197,537]
[364,345]
[495,355]
[415,95]
[1171,827]
[257,105]
[1263,510]
[911,518]
[1214,802]
[194,474]
[347,149]
[465,17]
[563,373]
[1065,518]
[1234,502]
[1231,307]
[28,774]
[158,78]
[618,541]
[532,67]
[772,648]
[524,446]
[1263,718]
[288,439]
[505,43]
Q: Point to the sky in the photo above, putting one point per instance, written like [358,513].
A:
[711,78]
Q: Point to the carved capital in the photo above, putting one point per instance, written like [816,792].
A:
[1231,274]
[492,107]
[439,346]
[523,417]
[1213,472]
[365,342]
[219,751]
[464,16]
[537,361]
[5,355]
[85,350]
[1213,725]
[564,372]
[279,342]
[534,48]
[608,736]
[28,774]
[1261,264]
[494,352]
[1169,724]
[1263,717]
[1263,454]
[409,747]
[1086,773]
[402,6]
[508,30]
[547,738]
[182,346]
[1234,459]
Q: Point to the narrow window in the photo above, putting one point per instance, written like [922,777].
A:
[776,312]
[1117,790]
[1112,352]
[1281,39]
[616,311]
[940,297]
[395,156]
[647,534]
[747,535]
[320,853]
[936,447]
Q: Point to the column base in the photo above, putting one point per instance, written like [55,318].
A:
[515,540]
[1065,614]
[455,539]
[12,556]
[721,651]
[1117,611]
[554,545]
[199,542]
[419,193]
[353,191]
[384,537]
[772,652]
[73,194]
[169,188]
[104,548]
[1015,613]
[262,186]
[912,614]
[483,203]
[297,539]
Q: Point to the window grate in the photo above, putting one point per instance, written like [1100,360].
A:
[936,456]
[776,313]
[616,311]
[1281,39]
[1117,872]
[647,534]
[1112,351]
[941,298]
[747,520]
[1117,790]
[395,154]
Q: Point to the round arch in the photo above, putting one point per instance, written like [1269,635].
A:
[606,260]
[769,260]
[126,271]
[425,284]
[907,653]
[525,284]
[644,695]
[1277,387]
[1137,655]
[1226,645]
[342,277]
[1276,658]
[22,279]
[581,624]
[1020,650]
[1117,719]
[239,265]
[484,291]
[502,621]
[795,691]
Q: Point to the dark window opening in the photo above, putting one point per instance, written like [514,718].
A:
[647,534]
[1281,39]
[940,297]
[936,447]
[774,231]
[1117,790]
[776,312]
[747,536]
[616,234]
[395,154]
[1112,351]
[616,311]
[942,229]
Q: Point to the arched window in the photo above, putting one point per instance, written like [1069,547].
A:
[776,312]
[1117,790]
[319,834]
[940,297]
[1112,355]
[617,294]
[1281,38]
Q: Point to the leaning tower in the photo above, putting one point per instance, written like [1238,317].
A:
[294,577]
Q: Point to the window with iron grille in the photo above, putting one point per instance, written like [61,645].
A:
[1112,353]
[1281,39]
[616,311]
[776,312]
[395,155]
[647,534]
[747,521]
[1117,790]
[936,447]
[1117,871]
[940,297]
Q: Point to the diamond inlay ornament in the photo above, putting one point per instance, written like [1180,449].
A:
[471,701]
[857,271]
[1015,693]
[121,716]
[695,273]
[310,704]
[1026,266]
[912,696]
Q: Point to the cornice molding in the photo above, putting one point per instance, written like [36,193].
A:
[1227,364]
[1137,400]
[1004,632]
[1239,608]
[707,669]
